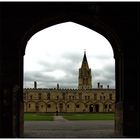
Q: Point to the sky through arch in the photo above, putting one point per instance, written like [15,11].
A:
[54,55]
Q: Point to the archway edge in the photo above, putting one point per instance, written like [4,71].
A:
[94,24]
[100,27]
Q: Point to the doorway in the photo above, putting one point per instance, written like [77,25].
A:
[91,107]
[96,108]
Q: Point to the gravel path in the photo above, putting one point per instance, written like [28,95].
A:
[61,128]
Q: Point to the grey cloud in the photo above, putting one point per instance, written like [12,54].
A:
[102,57]
[105,76]
[49,81]
[65,63]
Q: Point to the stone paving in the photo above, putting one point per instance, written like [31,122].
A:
[61,128]
[59,118]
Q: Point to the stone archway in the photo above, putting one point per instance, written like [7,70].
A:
[70,106]
[97,26]
[114,24]
[61,107]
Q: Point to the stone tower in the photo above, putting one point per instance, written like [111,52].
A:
[85,78]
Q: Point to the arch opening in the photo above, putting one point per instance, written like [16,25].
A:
[95,108]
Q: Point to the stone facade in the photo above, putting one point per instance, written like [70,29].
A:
[83,99]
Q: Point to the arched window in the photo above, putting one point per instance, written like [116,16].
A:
[39,96]
[63,95]
[95,96]
[100,97]
[110,96]
[80,95]
[109,106]
[48,96]
[77,106]
[31,97]
[48,105]
[57,97]
[73,97]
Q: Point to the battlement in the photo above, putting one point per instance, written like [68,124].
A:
[68,89]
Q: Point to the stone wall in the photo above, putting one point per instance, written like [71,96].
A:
[69,100]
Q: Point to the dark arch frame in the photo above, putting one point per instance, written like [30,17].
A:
[115,21]
[101,28]
[94,24]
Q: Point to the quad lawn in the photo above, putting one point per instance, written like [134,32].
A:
[88,116]
[38,117]
[68,116]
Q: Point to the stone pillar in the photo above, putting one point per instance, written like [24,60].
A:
[119,92]
[131,97]
[11,97]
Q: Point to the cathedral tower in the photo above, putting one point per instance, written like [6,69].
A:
[85,78]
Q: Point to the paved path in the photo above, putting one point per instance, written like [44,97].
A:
[61,128]
[59,118]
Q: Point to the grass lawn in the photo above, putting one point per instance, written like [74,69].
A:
[38,117]
[68,116]
[89,116]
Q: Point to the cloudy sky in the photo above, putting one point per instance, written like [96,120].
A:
[55,54]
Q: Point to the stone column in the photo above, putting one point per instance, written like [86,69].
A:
[119,73]
[11,97]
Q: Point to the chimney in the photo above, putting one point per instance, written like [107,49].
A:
[35,84]
[107,86]
[57,86]
[101,86]
[98,85]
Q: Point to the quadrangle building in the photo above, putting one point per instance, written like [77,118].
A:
[83,99]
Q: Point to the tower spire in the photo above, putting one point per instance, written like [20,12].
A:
[85,74]
[85,62]
[84,51]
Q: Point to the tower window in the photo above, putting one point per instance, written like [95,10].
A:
[110,96]
[31,97]
[77,106]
